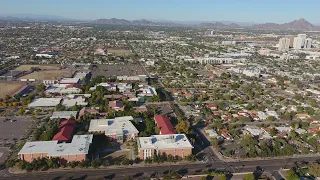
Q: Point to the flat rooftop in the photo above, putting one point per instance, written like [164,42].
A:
[113,126]
[45,102]
[69,80]
[172,141]
[79,145]
[63,114]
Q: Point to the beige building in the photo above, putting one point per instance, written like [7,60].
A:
[77,150]
[173,144]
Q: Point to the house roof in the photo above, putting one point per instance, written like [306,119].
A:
[164,124]
[115,104]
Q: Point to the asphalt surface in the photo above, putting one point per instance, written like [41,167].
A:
[138,172]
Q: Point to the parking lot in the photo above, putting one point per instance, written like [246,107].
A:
[13,128]
[4,152]
[117,70]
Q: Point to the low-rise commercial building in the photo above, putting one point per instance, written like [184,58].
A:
[45,103]
[64,114]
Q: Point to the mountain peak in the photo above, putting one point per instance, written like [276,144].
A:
[302,19]
[300,24]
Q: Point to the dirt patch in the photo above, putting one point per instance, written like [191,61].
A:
[27,67]
[120,52]
[10,88]
[49,74]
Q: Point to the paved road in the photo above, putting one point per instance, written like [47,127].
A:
[236,167]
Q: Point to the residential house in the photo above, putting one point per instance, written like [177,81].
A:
[302,116]
[88,110]
[212,107]
[257,132]
[225,134]
[313,120]
[116,105]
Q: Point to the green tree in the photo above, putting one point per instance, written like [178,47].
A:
[223,177]
[271,118]
[203,178]
[272,132]
[249,176]
[183,127]
[290,174]
[214,142]
[60,107]
[314,169]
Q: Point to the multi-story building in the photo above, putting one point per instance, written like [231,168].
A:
[118,129]
[77,150]
[299,41]
[284,44]
[308,43]
[173,144]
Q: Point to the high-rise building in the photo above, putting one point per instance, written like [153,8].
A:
[301,41]
[308,43]
[284,44]
[291,41]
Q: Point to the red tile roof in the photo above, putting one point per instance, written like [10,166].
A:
[67,122]
[66,131]
[164,125]
[76,85]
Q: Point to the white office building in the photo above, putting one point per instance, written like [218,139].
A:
[299,41]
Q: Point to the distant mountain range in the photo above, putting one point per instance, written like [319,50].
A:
[219,25]
[300,24]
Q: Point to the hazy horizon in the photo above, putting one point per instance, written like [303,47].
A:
[166,10]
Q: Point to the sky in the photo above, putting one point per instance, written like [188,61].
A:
[259,11]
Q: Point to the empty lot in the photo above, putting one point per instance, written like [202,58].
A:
[27,67]
[120,52]
[10,88]
[117,70]
[48,74]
